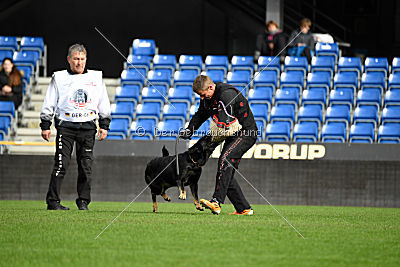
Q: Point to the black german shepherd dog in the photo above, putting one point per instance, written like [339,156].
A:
[190,163]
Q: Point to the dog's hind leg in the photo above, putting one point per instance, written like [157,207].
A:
[155,204]
[166,198]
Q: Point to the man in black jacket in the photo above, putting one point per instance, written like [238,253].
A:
[226,105]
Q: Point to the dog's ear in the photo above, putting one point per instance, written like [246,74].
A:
[165,151]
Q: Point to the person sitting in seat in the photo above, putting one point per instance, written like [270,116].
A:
[302,44]
[271,43]
[10,83]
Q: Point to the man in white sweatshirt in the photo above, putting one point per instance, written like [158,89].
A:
[75,98]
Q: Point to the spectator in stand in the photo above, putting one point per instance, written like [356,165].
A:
[303,42]
[10,83]
[270,43]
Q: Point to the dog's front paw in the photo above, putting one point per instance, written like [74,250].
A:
[182,195]
[200,208]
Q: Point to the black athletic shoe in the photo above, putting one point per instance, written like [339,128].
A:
[82,204]
[56,206]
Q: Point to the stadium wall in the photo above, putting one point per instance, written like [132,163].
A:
[328,174]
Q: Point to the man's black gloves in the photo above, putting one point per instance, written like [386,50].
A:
[185,134]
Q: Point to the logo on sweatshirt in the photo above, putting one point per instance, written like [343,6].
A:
[80,99]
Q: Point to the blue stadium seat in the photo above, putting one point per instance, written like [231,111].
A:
[181,93]
[5,126]
[154,93]
[373,80]
[143,127]
[8,43]
[193,108]
[394,81]
[389,133]
[261,95]
[287,96]
[327,50]
[310,113]
[129,92]
[218,64]
[269,63]
[369,96]
[346,80]
[260,112]
[265,78]
[123,110]
[131,76]
[392,97]
[138,62]
[284,113]
[362,133]
[115,137]
[169,129]
[323,65]
[366,114]
[165,62]
[277,132]
[146,47]
[316,96]
[338,113]
[376,64]
[215,75]
[26,58]
[185,77]
[390,114]
[242,63]
[352,64]
[260,128]
[305,132]
[158,78]
[396,64]
[149,110]
[32,44]
[176,110]
[202,131]
[333,133]
[296,64]
[7,110]
[239,78]
[319,79]
[191,62]
[341,96]
[119,127]
[292,80]
[5,53]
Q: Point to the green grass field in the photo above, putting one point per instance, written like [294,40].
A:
[179,235]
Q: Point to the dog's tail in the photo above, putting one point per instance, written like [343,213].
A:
[165,152]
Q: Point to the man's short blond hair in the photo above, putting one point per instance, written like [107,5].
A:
[201,83]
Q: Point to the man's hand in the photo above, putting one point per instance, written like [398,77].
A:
[185,134]
[102,134]
[46,135]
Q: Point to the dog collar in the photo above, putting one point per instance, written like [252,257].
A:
[194,162]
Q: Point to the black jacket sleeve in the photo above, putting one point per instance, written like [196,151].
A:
[201,115]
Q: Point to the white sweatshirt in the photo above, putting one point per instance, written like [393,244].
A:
[76,97]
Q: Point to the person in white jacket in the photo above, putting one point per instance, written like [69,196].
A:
[75,98]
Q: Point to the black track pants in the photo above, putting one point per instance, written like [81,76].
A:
[65,140]
[226,184]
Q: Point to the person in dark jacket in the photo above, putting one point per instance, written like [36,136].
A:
[271,43]
[10,83]
[226,105]
[303,43]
